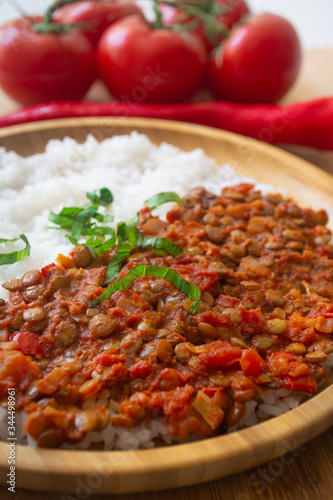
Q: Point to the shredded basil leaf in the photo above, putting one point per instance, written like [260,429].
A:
[61,220]
[167,246]
[127,231]
[104,218]
[98,248]
[115,265]
[80,222]
[11,258]
[160,198]
[129,237]
[101,196]
[166,273]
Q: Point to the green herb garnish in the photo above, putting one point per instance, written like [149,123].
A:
[129,237]
[115,265]
[101,196]
[160,244]
[85,222]
[166,273]
[11,258]
[160,198]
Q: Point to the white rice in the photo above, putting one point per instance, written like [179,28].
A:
[134,169]
[131,166]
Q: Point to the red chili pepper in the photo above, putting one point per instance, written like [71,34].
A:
[305,124]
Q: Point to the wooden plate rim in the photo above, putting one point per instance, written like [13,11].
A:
[207,459]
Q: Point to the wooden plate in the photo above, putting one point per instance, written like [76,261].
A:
[88,472]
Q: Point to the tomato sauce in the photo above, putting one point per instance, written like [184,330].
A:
[264,269]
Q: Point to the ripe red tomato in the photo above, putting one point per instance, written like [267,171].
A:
[41,67]
[98,15]
[258,63]
[231,13]
[140,64]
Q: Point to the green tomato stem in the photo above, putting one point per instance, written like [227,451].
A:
[47,26]
[53,7]
[179,5]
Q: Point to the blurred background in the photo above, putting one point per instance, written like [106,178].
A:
[311,18]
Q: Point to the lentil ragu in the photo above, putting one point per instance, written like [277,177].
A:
[264,267]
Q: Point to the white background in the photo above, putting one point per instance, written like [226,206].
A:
[312,18]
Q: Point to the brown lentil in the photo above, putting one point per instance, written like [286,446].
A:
[316,357]
[34,314]
[101,326]
[277,326]
[82,257]
[31,278]
[66,332]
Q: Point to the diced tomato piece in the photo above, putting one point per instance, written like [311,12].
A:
[173,214]
[141,369]
[117,374]
[298,369]
[283,355]
[51,382]
[213,318]
[252,316]
[243,188]
[306,383]
[296,375]
[324,315]
[29,343]
[227,301]
[108,358]
[187,422]
[279,362]
[240,382]
[185,258]
[172,401]
[123,318]
[65,262]
[218,394]
[212,414]
[220,355]
[306,336]
[211,391]
[251,363]
[252,322]
[15,365]
[47,271]
[202,278]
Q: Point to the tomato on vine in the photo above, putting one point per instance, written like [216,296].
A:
[259,62]
[45,61]
[95,16]
[210,19]
[140,63]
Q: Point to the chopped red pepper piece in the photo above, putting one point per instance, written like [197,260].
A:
[29,343]
[251,363]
